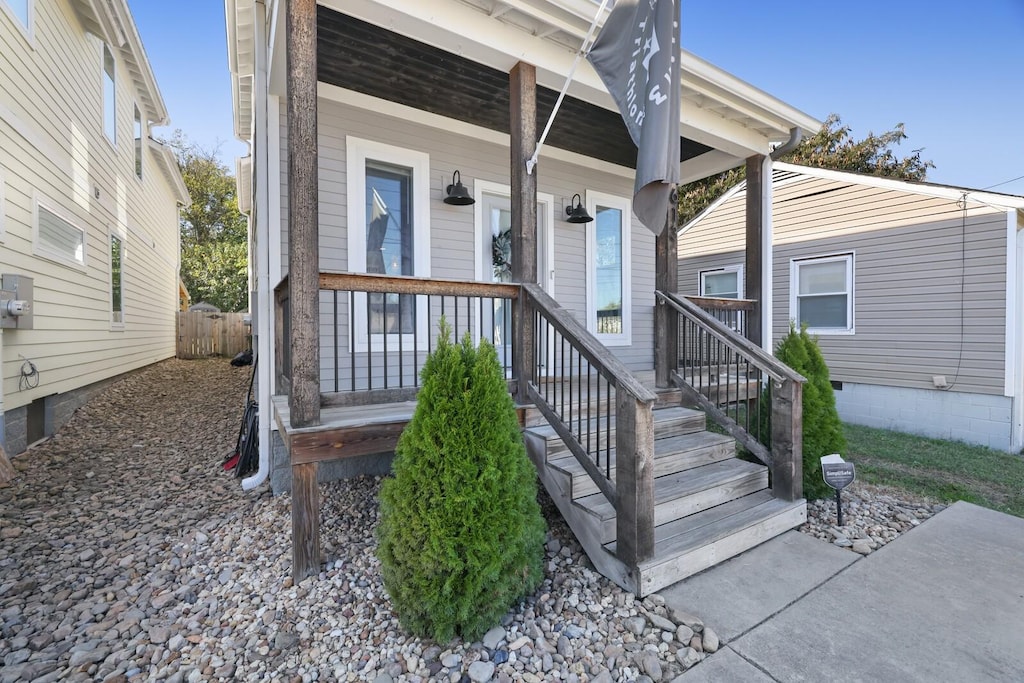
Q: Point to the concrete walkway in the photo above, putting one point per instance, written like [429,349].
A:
[944,602]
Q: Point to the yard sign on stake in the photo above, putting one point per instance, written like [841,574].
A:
[838,474]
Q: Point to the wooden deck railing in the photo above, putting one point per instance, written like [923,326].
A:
[730,312]
[595,404]
[747,391]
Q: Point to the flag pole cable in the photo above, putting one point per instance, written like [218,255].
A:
[584,48]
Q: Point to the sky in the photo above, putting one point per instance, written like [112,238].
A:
[951,71]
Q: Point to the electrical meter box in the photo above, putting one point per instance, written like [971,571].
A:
[15,302]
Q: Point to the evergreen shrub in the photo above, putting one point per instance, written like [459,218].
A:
[461,536]
[823,432]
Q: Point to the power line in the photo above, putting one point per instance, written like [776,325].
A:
[1005,182]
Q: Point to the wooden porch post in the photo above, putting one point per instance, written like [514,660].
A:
[303,274]
[752,268]
[787,440]
[523,131]
[666,279]
[634,475]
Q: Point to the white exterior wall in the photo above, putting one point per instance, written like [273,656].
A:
[55,150]
[980,419]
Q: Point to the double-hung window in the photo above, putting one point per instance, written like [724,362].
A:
[821,293]
[722,283]
[388,234]
[608,274]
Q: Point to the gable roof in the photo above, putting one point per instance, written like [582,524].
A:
[783,172]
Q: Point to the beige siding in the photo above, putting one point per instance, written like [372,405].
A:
[908,253]
[51,131]
[452,230]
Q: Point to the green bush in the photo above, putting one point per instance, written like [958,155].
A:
[461,536]
[823,432]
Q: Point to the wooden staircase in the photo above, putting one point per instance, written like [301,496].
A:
[708,504]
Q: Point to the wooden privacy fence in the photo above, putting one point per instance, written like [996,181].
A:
[203,333]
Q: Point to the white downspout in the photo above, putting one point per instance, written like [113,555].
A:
[767,256]
[1015,329]
[264,297]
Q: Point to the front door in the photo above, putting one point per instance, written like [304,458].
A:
[494,257]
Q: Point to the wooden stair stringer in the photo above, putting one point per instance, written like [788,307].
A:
[585,527]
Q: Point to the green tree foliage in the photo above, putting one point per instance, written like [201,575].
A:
[214,250]
[461,534]
[823,432]
[833,147]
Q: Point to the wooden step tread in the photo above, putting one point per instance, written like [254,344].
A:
[671,454]
[668,420]
[724,476]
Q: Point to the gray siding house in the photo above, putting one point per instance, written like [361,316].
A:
[913,289]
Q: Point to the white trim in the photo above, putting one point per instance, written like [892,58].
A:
[1016,353]
[794,264]
[112,232]
[40,249]
[358,151]
[3,209]
[418,116]
[999,201]
[1012,337]
[624,205]
[737,269]
[726,196]
[27,29]
[545,208]
[104,49]
[768,258]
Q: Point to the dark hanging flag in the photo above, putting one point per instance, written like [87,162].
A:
[637,56]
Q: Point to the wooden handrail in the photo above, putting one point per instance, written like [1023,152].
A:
[604,361]
[780,372]
[403,284]
[718,304]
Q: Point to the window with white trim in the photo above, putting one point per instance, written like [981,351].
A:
[609,295]
[722,283]
[138,143]
[56,237]
[21,11]
[388,234]
[109,96]
[116,280]
[821,293]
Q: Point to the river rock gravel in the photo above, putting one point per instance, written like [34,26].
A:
[127,554]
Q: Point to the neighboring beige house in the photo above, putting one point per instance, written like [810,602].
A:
[913,289]
[88,210]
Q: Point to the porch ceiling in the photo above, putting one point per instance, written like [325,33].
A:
[369,59]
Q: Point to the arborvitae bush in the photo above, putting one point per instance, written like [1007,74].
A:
[461,535]
[823,432]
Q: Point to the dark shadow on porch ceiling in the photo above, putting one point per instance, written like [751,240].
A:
[371,60]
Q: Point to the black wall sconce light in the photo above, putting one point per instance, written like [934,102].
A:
[456,193]
[576,212]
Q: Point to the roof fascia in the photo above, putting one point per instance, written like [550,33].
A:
[169,167]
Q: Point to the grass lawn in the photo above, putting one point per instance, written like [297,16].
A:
[943,470]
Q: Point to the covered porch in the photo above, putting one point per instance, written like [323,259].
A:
[348,339]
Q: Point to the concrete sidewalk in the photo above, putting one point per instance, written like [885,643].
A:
[944,602]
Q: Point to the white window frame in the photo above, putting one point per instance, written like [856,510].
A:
[794,289]
[41,250]
[26,28]
[139,151]
[625,206]
[123,237]
[358,152]
[545,211]
[110,135]
[738,269]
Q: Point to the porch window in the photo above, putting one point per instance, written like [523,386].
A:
[58,238]
[388,234]
[109,96]
[821,293]
[608,272]
[722,283]
[116,269]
